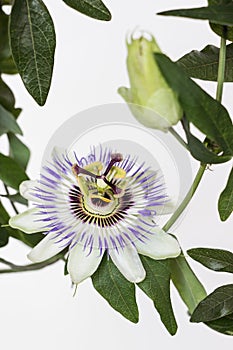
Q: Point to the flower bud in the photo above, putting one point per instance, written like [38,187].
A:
[150,99]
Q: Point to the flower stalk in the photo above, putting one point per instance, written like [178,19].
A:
[30,267]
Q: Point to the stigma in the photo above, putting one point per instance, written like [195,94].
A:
[105,181]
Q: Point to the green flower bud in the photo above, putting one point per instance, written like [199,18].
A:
[150,99]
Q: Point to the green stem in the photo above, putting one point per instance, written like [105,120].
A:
[12,203]
[221,69]
[201,170]
[187,198]
[178,137]
[30,267]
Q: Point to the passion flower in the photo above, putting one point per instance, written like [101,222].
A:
[102,203]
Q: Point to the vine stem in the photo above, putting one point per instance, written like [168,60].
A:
[11,202]
[201,170]
[178,137]
[187,198]
[30,267]
[221,69]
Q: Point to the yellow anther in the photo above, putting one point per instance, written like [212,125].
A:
[94,167]
[117,173]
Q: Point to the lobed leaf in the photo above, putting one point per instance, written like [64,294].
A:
[7,66]
[222,325]
[4,237]
[156,286]
[213,259]
[220,14]
[10,172]
[33,41]
[8,122]
[18,150]
[207,114]
[216,305]
[6,62]
[199,151]
[223,31]
[204,64]
[118,292]
[4,42]
[225,202]
[7,99]
[187,284]
[95,9]
[15,198]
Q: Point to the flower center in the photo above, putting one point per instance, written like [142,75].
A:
[101,197]
[104,181]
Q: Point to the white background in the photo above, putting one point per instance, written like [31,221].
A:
[37,308]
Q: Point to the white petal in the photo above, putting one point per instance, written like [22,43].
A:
[128,263]
[26,188]
[160,245]
[47,248]
[27,221]
[81,265]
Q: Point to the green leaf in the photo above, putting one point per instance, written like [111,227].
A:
[10,172]
[204,64]
[95,9]
[31,240]
[7,99]
[6,63]
[222,325]
[221,14]
[214,259]
[4,216]
[7,66]
[225,202]
[157,286]
[216,305]
[218,2]
[199,151]
[4,236]
[203,154]
[207,114]
[119,292]
[16,198]
[8,122]
[187,284]
[33,41]
[4,42]
[18,151]
[224,31]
